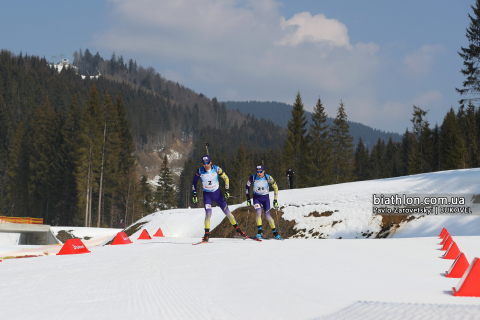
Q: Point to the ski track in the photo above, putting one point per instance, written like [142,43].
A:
[238,279]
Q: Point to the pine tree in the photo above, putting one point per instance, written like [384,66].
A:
[17,174]
[89,161]
[321,161]
[417,152]
[342,147]
[471,57]
[165,196]
[361,161]
[452,149]
[295,150]
[146,196]
[5,132]
[471,141]
[436,161]
[70,150]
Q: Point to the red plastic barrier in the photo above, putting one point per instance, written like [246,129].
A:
[469,285]
[144,235]
[447,243]
[121,238]
[159,233]
[73,246]
[442,233]
[458,268]
[445,237]
[452,252]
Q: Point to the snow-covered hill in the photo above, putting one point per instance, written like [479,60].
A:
[348,209]
[168,278]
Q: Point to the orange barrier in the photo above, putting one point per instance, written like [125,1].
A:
[24,220]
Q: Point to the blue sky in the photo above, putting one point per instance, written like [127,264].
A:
[379,57]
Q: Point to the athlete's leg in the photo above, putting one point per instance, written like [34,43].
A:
[267,209]
[257,203]
[207,200]
[268,216]
[220,200]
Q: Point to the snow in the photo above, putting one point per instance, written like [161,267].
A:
[396,278]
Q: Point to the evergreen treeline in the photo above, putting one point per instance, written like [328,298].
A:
[280,114]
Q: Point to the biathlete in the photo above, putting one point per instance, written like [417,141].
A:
[261,182]
[211,192]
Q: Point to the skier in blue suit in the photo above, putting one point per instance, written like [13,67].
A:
[261,198]
[209,174]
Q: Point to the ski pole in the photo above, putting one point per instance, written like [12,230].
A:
[278,224]
[246,224]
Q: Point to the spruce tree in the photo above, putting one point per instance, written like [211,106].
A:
[471,133]
[89,161]
[146,196]
[471,58]
[342,147]
[295,150]
[321,161]
[165,196]
[361,161]
[452,150]
[70,150]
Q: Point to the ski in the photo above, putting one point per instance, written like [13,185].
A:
[247,237]
[194,244]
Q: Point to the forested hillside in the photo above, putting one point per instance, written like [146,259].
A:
[280,113]
[37,106]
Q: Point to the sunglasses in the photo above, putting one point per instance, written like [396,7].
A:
[259,171]
[205,163]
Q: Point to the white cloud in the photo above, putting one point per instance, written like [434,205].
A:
[302,27]
[245,50]
[420,62]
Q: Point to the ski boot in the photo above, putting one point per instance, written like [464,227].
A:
[276,235]
[239,231]
[259,233]
[206,236]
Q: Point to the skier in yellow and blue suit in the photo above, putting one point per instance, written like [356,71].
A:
[261,198]
[209,174]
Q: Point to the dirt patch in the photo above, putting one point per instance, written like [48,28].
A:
[63,235]
[335,222]
[129,231]
[225,229]
[318,215]
[390,224]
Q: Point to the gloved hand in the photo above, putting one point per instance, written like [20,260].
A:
[195,198]
[249,203]
[275,203]
[227,194]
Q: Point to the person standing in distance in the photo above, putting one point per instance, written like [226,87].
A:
[211,192]
[261,198]
[290,175]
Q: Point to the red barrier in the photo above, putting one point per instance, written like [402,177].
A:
[458,268]
[73,246]
[469,285]
[442,233]
[144,235]
[159,233]
[452,252]
[446,235]
[121,238]
[447,243]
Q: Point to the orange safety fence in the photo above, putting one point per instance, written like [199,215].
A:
[26,220]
